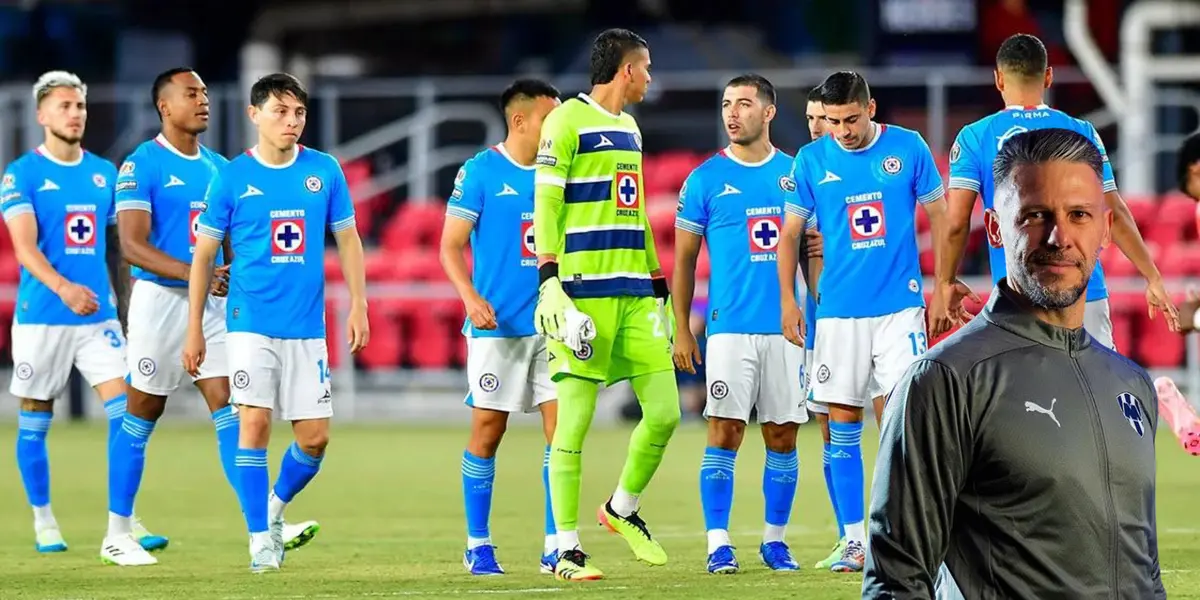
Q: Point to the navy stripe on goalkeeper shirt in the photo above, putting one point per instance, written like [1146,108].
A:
[608,288]
[588,191]
[603,141]
[607,239]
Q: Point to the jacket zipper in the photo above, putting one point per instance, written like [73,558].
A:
[1102,453]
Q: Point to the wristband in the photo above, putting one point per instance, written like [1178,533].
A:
[660,287]
[547,272]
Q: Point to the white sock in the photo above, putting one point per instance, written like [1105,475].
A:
[118,525]
[551,545]
[856,532]
[568,540]
[718,538]
[623,503]
[43,518]
[473,542]
[260,539]
[773,533]
[275,508]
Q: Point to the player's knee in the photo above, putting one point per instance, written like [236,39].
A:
[661,417]
[313,443]
[486,432]
[780,437]
[31,405]
[725,433]
[144,406]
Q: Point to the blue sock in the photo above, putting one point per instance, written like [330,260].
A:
[253,486]
[32,461]
[297,469]
[478,475]
[550,528]
[832,495]
[127,461]
[846,471]
[779,486]
[226,423]
[716,487]
[114,409]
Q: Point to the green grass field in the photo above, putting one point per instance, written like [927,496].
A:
[389,501]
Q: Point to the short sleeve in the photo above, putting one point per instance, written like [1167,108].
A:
[691,214]
[799,199]
[556,149]
[1110,182]
[16,195]
[341,206]
[965,172]
[927,181]
[466,201]
[133,184]
[218,211]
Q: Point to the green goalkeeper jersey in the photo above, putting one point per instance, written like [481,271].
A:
[588,203]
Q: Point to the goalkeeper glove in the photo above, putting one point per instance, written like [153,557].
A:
[549,316]
[666,312]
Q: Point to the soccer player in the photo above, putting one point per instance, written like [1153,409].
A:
[1022,77]
[160,191]
[862,183]
[58,204]
[507,368]
[270,199]
[596,255]
[1187,167]
[733,203]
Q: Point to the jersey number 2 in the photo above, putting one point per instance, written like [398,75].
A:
[919,343]
[656,324]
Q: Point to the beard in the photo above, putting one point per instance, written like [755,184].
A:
[1041,294]
[70,139]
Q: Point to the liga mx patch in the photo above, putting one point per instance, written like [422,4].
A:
[867,221]
[80,233]
[287,240]
[627,193]
[764,234]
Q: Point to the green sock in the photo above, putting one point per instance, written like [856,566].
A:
[576,405]
[659,397]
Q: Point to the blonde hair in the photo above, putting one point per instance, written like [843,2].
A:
[56,79]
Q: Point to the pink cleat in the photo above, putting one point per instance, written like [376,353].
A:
[1179,415]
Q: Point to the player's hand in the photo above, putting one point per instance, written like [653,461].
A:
[194,350]
[687,352]
[358,330]
[793,323]
[1158,300]
[480,312]
[946,310]
[80,299]
[666,316]
[549,316]
[1187,311]
[220,282]
[816,243]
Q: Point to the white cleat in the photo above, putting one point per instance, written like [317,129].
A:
[49,540]
[125,551]
[297,535]
[264,556]
[276,531]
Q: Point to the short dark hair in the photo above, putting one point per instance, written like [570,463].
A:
[277,85]
[526,89]
[609,51]
[1189,154]
[845,87]
[766,91]
[1042,146]
[1022,55]
[814,95]
[160,83]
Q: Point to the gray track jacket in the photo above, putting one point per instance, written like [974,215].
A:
[1021,456]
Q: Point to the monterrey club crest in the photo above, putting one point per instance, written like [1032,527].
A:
[527,248]
[627,193]
[80,230]
[892,165]
[287,236]
[1131,407]
[866,221]
[764,233]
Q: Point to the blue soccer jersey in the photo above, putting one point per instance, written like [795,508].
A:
[865,200]
[495,194]
[170,185]
[277,282]
[73,205]
[975,150]
[738,208]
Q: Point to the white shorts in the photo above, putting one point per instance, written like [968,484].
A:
[1098,322]
[858,359]
[44,354]
[508,374]
[745,371]
[816,407]
[290,377]
[157,327]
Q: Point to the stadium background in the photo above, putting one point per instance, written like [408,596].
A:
[403,91]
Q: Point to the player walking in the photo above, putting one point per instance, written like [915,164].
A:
[57,201]
[591,230]
[733,203]
[269,199]
[1022,77]
[160,191]
[862,183]
[507,369]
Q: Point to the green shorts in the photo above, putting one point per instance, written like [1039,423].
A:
[631,340]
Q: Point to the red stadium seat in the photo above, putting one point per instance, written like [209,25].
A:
[665,173]
[357,173]
[1115,264]
[333,267]
[1155,345]
[431,347]
[380,265]
[416,224]
[10,268]
[387,337]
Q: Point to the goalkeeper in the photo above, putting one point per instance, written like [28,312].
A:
[598,267]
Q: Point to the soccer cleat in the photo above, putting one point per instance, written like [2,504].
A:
[149,541]
[633,530]
[298,535]
[49,540]
[834,556]
[572,566]
[723,562]
[276,531]
[264,556]
[481,560]
[1179,414]
[852,559]
[125,551]
[777,557]
[548,562]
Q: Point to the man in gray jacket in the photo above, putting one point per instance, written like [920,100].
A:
[1017,456]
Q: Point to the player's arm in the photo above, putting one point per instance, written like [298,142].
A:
[118,270]
[925,452]
[350,253]
[691,222]
[815,257]
[799,206]
[556,153]
[135,204]
[462,213]
[210,233]
[966,176]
